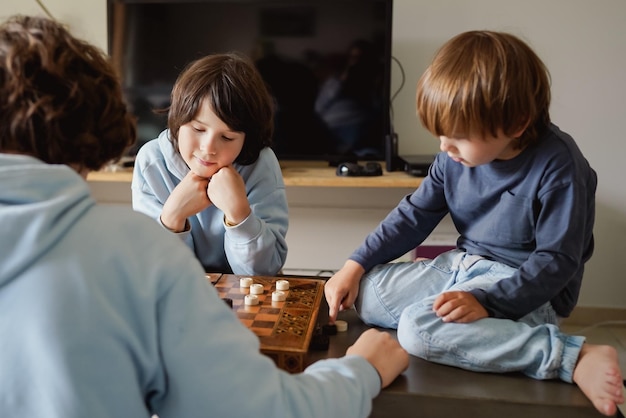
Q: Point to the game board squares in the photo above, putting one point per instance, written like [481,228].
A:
[247,322]
[262,324]
[253,309]
[265,317]
[235,296]
[269,311]
[284,328]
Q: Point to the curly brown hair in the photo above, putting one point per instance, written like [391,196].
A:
[60,98]
[237,94]
[485,81]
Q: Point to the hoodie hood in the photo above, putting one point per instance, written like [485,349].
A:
[39,203]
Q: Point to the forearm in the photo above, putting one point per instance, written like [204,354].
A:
[255,247]
[335,387]
[539,280]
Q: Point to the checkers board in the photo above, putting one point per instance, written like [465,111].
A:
[284,328]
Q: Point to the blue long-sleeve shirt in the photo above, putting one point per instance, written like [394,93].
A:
[534,212]
[256,246]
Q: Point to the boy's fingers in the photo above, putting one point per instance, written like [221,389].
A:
[332,314]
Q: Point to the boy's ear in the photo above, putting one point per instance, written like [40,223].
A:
[522,127]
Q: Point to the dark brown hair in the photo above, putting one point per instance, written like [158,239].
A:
[483,82]
[60,100]
[236,93]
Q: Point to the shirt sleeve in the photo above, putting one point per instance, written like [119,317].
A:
[408,224]
[213,367]
[258,245]
[151,186]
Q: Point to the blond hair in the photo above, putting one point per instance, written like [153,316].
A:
[485,82]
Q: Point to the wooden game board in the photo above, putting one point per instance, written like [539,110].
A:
[284,328]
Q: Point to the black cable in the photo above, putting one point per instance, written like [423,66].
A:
[402,81]
[393,96]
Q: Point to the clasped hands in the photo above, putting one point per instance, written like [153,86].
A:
[225,189]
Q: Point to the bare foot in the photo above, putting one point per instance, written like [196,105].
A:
[598,375]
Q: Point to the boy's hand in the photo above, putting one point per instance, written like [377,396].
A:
[342,288]
[227,192]
[188,198]
[461,307]
[383,352]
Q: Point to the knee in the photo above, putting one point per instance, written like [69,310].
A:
[374,314]
[372,308]
[411,333]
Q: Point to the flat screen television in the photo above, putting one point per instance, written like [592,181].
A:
[327,64]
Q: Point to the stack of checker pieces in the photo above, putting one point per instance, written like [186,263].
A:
[285,329]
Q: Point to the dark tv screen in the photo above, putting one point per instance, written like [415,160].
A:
[326,64]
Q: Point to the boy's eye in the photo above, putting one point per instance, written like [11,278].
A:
[225,138]
[197,129]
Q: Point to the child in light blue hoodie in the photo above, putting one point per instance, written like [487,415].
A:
[211,177]
[102,312]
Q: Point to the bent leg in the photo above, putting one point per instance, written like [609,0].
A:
[489,345]
[388,289]
[533,345]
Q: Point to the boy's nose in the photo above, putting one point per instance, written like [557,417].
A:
[207,144]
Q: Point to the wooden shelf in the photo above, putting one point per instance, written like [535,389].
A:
[319,174]
[119,176]
[298,173]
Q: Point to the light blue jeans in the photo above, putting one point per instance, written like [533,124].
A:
[401,295]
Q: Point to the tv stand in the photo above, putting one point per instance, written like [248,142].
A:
[318,174]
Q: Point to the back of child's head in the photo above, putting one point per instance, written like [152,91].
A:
[484,82]
[60,100]
[236,93]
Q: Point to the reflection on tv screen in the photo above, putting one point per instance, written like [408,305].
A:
[326,64]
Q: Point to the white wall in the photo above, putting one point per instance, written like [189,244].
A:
[581,41]
[86,18]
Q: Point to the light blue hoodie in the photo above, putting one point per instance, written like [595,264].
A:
[104,314]
[257,246]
